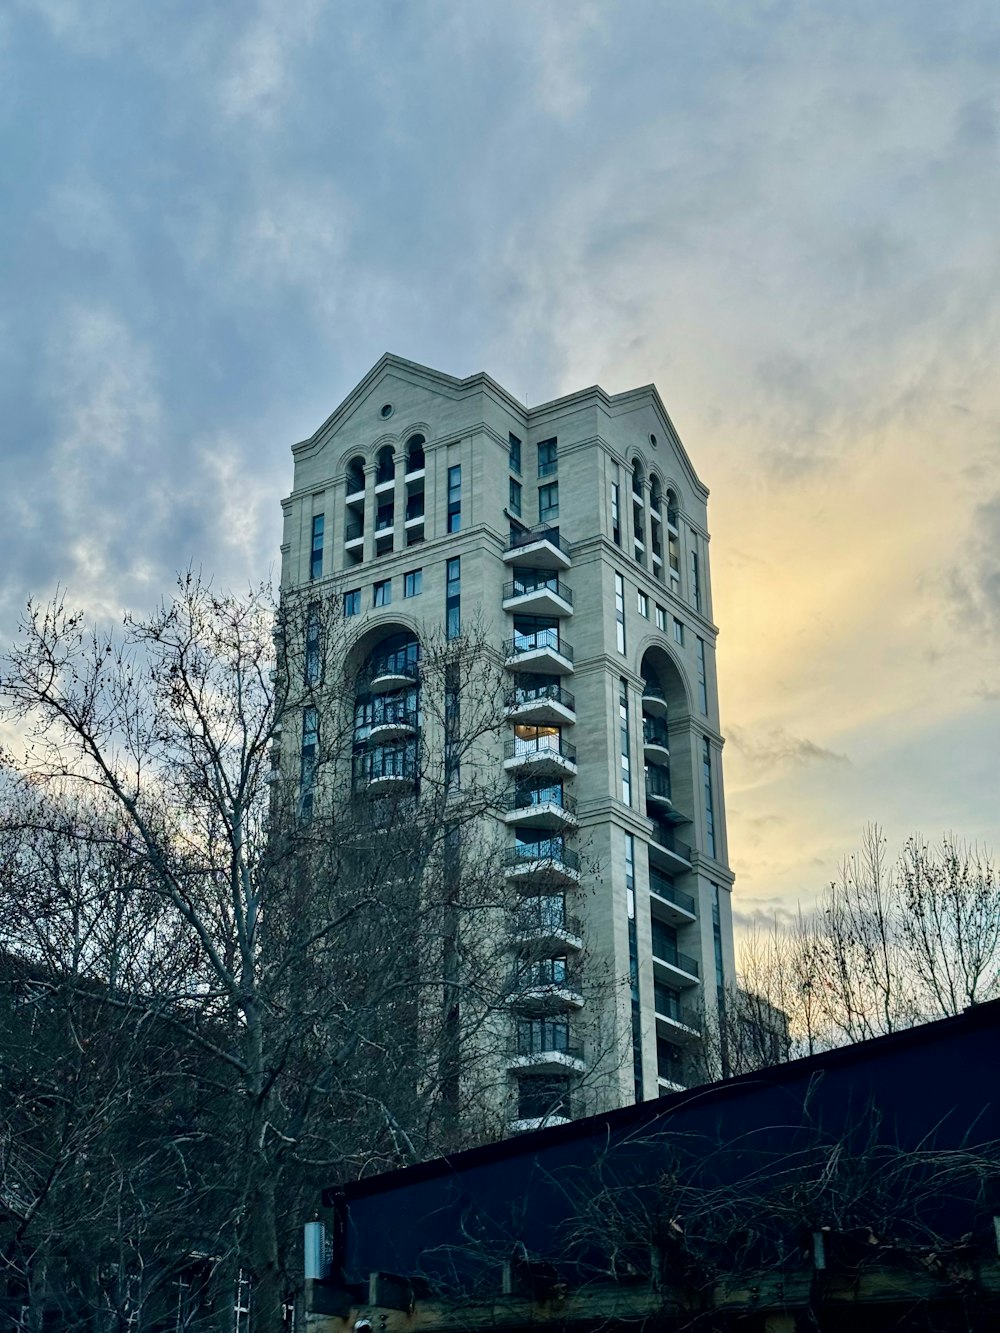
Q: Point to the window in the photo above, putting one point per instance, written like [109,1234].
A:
[702,686]
[514,501]
[616,522]
[386,466]
[455,498]
[695,581]
[548,502]
[643,604]
[307,767]
[620,611]
[538,1098]
[514,454]
[453,599]
[352,602]
[547,461]
[413,583]
[316,555]
[623,731]
[313,645]
[383,593]
[535,1035]
[661,617]
[678,632]
[633,966]
[452,714]
[706,775]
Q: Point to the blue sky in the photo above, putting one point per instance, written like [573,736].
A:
[217,216]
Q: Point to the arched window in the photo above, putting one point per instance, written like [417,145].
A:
[386,465]
[654,494]
[671,508]
[415,453]
[355,475]
[638,476]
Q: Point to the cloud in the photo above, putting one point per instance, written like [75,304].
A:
[260,73]
[779,749]
[975,583]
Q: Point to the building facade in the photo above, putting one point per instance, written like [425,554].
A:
[574,534]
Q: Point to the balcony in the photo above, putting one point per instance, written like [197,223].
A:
[541,1055]
[672,966]
[538,547]
[539,650]
[658,785]
[394,723]
[354,533]
[547,986]
[655,739]
[541,807]
[671,1078]
[675,1021]
[396,672]
[381,772]
[667,850]
[542,862]
[670,904]
[543,927]
[547,703]
[539,593]
[654,701]
[545,755]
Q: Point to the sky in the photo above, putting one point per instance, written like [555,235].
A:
[215,217]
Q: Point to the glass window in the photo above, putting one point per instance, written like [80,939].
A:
[678,632]
[547,460]
[616,523]
[548,502]
[623,731]
[383,593]
[514,501]
[620,611]
[307,771]
[313,645]
[453,599]
[352,602]
[706,774]
[643,604]
[514,454]
[413,583]
[661,617]
[695,580]
[702,685]
[455,498]
[316,554]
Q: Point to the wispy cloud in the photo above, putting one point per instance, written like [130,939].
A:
[778,748]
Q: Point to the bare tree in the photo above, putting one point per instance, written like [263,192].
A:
[324,957]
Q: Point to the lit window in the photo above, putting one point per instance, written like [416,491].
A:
[514,502]
[316,555]
[620,611]
[548,502]
[383,593]
[547,461]
[453,599]
[643,604]
[352,602]
[413,583]
[514,453]
[455,498]
[661,617]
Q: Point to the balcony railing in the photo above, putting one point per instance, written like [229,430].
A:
[415,510]
[354,530]
[538,639]
[658,781]
[664,837]
[547,972]
[664,890]
[554,1044]
[396,664]
[540,745]
[672,1071]
[542,922]
[668,1006]
[547,1106]
[537,796]
[669,953]
[374,765]
[394,716]
[523,586]
[672,515]
[529,694]
[654,732]
[415,462]
[529,853]
[531,535]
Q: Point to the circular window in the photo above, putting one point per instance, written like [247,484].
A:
[652,440]
[387,409]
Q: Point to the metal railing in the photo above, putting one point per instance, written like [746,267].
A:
[664,890]
[536,639]
[658,781]
[531,535]
[668,1006]
[537,796]
[651,691]
[396,664]
[529,694]
[547,972]
[538,1044]
[389,717]
[672,1071]
[551,745]
[523,586]
[415,461]
[353,530]
[669,953]
[664,837]
[550,850]
[526,922]
[654,732]
[374,765]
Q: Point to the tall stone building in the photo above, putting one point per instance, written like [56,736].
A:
[575,533]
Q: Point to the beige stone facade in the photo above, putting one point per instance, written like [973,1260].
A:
[580,528]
